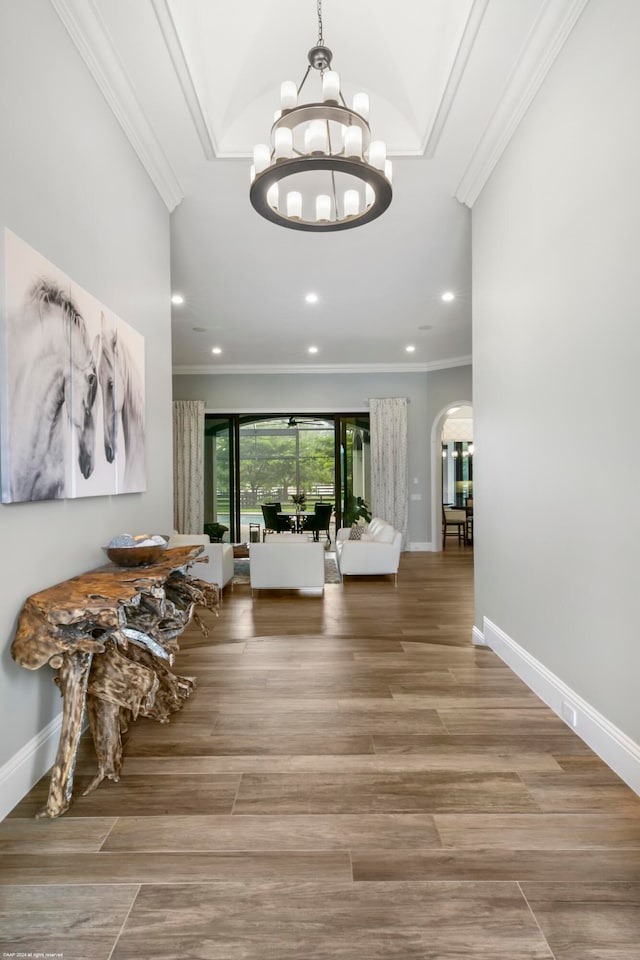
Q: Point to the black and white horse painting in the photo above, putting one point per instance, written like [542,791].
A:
[122,387]
[72,393]
[53,386]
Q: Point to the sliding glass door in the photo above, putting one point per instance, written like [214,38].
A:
[355,461]
[250,460]
[219,474]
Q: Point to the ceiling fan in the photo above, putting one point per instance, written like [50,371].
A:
[295,422]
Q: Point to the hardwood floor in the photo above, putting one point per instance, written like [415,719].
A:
[350,779]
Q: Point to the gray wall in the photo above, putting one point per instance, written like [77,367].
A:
[556,349]
[428,394]
[71,187]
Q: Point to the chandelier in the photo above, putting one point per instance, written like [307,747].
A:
[322,171]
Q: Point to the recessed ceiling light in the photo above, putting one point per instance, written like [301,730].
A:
[216,350]
[313,349]
[311,298]
[448,296]
[410,348]
[178,299]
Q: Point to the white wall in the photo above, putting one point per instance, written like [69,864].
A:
[428,394]
[556,344]
[71,187]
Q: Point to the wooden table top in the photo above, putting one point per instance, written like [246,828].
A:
[95,598]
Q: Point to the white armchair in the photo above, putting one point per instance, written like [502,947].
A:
[293,564]
[377,552]
[219,569]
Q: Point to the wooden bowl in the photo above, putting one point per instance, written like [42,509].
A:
[135,556]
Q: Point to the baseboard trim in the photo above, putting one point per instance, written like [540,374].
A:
[419,547]
[611,744]
[477,638]
[19,774]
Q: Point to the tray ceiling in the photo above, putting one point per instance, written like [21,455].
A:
[195,84]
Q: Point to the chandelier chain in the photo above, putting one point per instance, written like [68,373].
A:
[320,33]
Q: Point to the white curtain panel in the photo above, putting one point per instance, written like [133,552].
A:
[389,468]
[188,465]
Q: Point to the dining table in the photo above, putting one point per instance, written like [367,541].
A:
[297,520]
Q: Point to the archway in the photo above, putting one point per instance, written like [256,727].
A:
[460,406]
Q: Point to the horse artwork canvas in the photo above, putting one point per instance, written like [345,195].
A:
[103,479]
[55,412]
[121,377]
[50,383]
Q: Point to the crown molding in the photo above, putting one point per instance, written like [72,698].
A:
[91,37]
[321,368]
[467,40]
[551,29]
[185,78]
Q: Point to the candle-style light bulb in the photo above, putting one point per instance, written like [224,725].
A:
[288,95]
[283,143]
[294,204]
[351,203]
[353,142]
[261,157]
[331,86]
[377,154]
[323,207]
[273,196]
[361,105]
[318,138]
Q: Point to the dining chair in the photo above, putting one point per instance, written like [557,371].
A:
[274,522]
[457,521]
[469,526]
[319,521]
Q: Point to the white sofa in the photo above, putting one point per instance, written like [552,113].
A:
[285,564]
[219,569]
[377,552]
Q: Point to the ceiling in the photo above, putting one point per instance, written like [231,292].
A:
[458,425]
[195,83]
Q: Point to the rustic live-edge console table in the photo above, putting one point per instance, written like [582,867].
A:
[111,634]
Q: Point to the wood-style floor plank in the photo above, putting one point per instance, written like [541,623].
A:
[137,866]
[588,921]
[134,796]
[405,792]
[452,763]
[280,833]
[560,831]
[569,866]
[311,921]
[350,779]
[81,923]
[65,835]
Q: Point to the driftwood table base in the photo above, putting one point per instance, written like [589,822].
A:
[111,635]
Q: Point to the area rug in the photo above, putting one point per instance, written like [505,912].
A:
[331,575]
